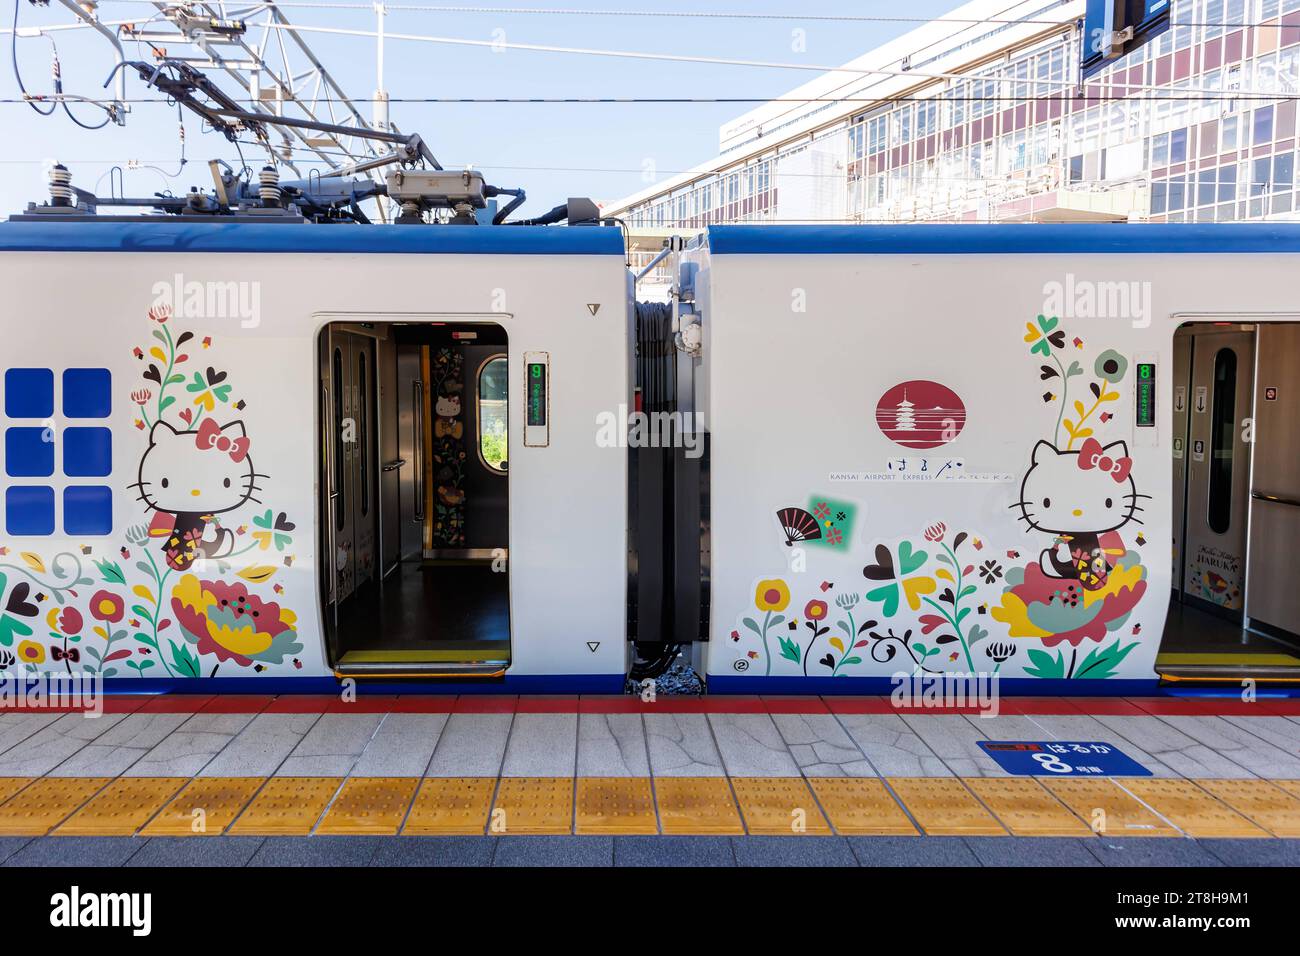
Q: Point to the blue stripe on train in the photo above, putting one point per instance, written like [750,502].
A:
[520,684]
[1007,687]
[1005,239]
[162,236]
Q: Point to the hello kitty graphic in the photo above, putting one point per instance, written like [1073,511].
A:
[1082,497]
[188,478]
[448,411]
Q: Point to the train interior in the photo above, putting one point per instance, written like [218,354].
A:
[1235,605]
[415,467]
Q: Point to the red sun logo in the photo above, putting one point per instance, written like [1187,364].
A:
[920,414]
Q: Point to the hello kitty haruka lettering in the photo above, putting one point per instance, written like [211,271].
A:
[1083,498]
[190,477]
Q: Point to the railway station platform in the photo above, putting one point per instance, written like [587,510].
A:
[489,780]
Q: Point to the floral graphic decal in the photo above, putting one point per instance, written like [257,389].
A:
[448,449]
[134,611]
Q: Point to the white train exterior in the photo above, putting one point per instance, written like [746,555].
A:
[930,450]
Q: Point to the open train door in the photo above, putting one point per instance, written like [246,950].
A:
[1234,613]
[414,496]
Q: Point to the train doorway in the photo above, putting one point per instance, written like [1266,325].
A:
[1234,609]
[415,497]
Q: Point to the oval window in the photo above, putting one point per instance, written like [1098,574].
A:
[492,413]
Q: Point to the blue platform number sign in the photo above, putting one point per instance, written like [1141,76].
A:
[1062,758]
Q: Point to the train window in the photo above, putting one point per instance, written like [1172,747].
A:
[338,438]
[492,415]
[363,417]
[1222,439]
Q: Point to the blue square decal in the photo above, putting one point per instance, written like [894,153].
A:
[29,393]
[27,453]
[29,510]
[87,452]
[87,393]
[88,509]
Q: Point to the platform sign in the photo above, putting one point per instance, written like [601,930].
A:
[1062,758]
[1112,28]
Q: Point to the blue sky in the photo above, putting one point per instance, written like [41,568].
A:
[553,151]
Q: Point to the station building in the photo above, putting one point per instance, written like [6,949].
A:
[981,116]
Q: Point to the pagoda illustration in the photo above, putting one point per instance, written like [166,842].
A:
[904,421]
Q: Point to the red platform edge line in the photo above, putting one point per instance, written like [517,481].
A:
[628,704]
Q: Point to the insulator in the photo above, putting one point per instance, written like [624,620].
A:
[269,186]
[61,193]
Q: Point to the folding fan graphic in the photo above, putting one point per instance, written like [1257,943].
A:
[798,525]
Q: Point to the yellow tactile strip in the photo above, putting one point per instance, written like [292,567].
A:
[779,806]
[11,785]
[615,805]
[45,803]
[860,806]
[1271,807]
[369,805]
[123,807]
[1107,809]
[1026,808]
[697,806]
[1193,810]
[286,806]
[944,806]
[448,806]
[532,805]
[298,806]
[205,807]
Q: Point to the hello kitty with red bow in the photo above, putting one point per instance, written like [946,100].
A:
[188,478]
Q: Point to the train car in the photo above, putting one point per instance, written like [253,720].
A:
[272,456]
[248,456]
[944,450]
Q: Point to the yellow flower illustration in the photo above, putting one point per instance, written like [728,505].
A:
[772,595]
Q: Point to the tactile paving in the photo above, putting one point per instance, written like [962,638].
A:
[944,807]
[697,806]
[205,807]
[286,806]
[1191,809]
[369,805]
[1290,786]
[46,802]
[859,806]
[532,805]
[451,806]
[615,805]
[1107,809]
[123,807]
[1258,800]
[1025,808]
[11,785]
[779,806]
